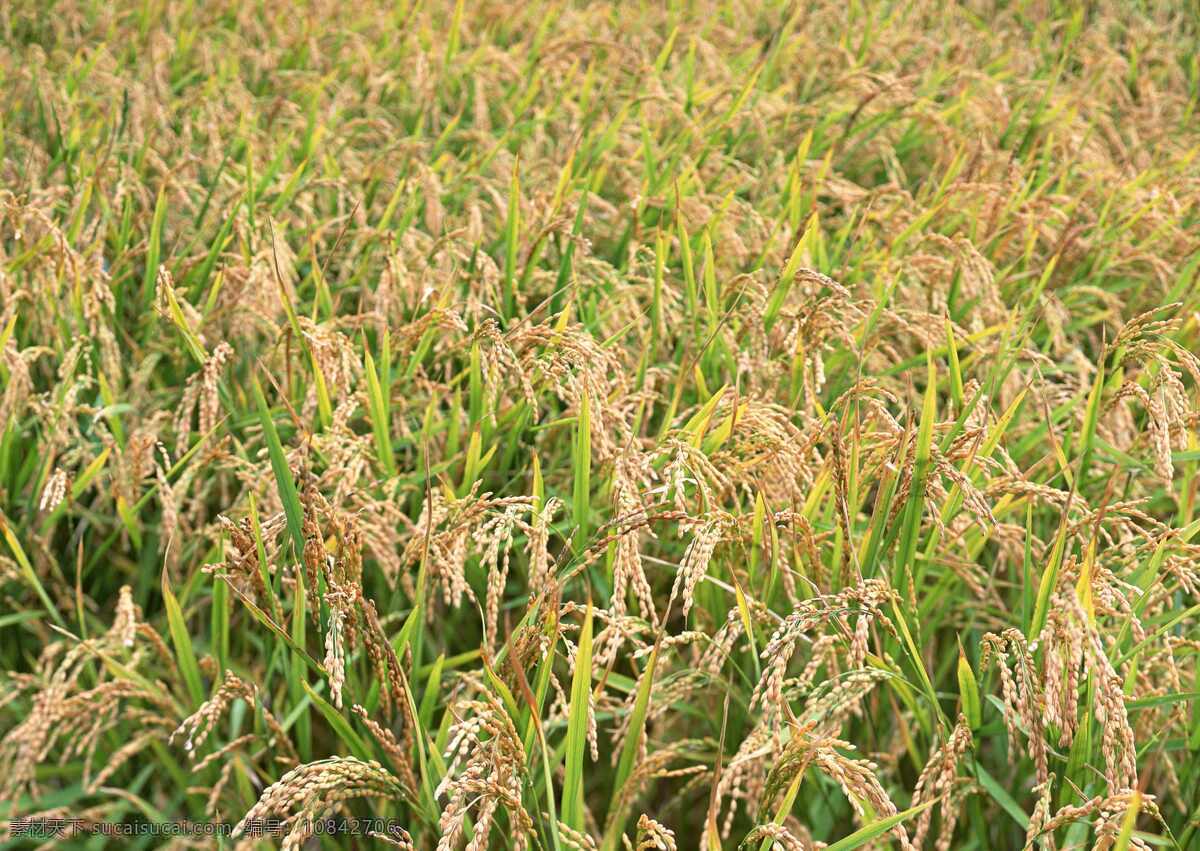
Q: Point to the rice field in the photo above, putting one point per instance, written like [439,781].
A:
[561,425]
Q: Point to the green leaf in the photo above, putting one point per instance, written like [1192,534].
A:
[512,229]
[194,346]
[1049,581]
[1163,699]
[788,275]
[911,528]
[629,753]
[872,831]
[689,271]
[181,638]
[154,248]
[1090,418]
[1001,796]
[28,572]
[711,298]
[956,382]
[968,690]
[582,466]
[288,494]
[358,747]
[380,420]
[577,727]
[698,424]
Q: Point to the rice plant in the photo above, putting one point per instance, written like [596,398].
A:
[600,425]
